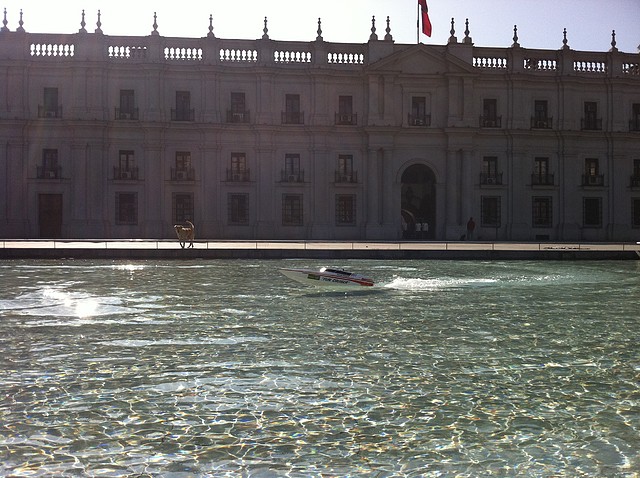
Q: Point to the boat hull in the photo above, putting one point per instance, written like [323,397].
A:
[325,280]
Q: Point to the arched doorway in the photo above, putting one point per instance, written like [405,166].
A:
[418,202]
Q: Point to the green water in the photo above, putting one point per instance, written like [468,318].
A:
[227,368]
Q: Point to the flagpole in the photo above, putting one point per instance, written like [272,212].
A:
[418,24]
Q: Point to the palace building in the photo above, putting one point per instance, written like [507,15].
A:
[123,137]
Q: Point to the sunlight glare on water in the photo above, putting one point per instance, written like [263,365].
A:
[227,368]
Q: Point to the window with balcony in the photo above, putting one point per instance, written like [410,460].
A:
[490,118]
[292,210]
[49,169]
[238,209]
[345,114]
[183,171]
[126,208]
[634,122]
[418,115]
[541,118]
[51,108]
[541,175]
[591,120]
[635,212]
[238,112]
[345,209]
[592,212]
[127,109]
[182,207]
[490,214]
[126,168]
[542,212]
[183,110]
[292,113]
[292,172]
[344,171]
[239,172]
[635,175]
[592,176]
[490,175]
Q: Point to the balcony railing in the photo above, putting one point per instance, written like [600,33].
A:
[238,176]
[238,116]
[292,176]
[541,123]
[346,118]
[126,114]
[542,179]
[183,174]
[346,176]
[126,174]
[183,114]
[292,117]
[490,121]
[635,180]
[48,172]
[593,179]
[491,179]
[47,112]
[591,124]
[419,120]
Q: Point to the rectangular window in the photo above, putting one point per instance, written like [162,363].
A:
[541,117]
[183,110]
[183,160]
[291,172]
[344,171]
[542,212]
[51,103]
[345,209]
[591,120]
[127,108]
[592,176]
[126,208]
[345,113]
[541,174]
[418,115]
[49,168]
[490,174]
[490,118]
[292,210]
[634,123]
[126,160]
[292,113]
[182,207]
[490,211]
[239,171]
[592,212]
[237,102]
[635,212]
[238,209]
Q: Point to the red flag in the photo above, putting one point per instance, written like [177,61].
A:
[426,23]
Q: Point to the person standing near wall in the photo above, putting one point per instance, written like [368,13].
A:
[471,226]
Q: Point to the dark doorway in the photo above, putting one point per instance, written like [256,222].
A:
[418,203]
[50,215]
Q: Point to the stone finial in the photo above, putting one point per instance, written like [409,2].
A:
[467,39]
[20,23]
[373,35]
[155,24]
[319,37]
[565,43]
[613,41]
[82,24]
[99,24]
[265,30]
[515,43]
[4,22]
[388,36]
[452,38]
[210,34]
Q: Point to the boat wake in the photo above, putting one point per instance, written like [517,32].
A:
[416,284]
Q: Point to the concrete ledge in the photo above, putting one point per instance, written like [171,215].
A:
[170,249]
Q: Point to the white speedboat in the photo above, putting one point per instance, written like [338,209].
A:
[327,277]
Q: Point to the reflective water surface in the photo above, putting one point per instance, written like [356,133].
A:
[227,368]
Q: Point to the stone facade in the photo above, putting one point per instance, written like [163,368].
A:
[121,137]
